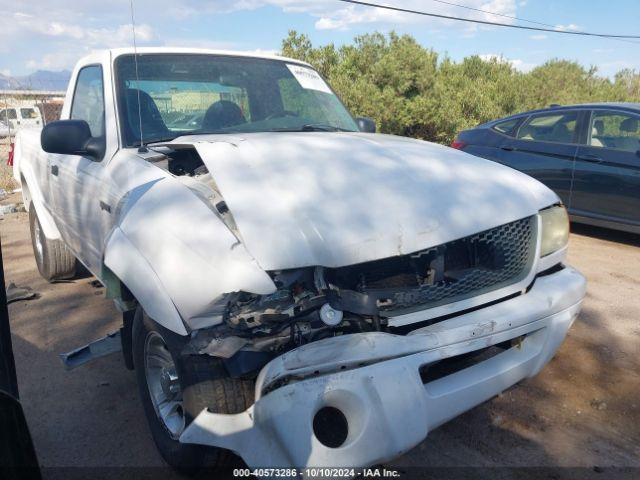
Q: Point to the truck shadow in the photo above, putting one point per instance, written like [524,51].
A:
[91,417]
[581,411]
[632,239]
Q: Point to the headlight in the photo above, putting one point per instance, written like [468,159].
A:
[555,229]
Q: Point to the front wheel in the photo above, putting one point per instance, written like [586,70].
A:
[174,389]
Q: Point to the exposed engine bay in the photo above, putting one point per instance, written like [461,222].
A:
[184,162]
[302,311]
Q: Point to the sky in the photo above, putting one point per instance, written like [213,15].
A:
[53,34]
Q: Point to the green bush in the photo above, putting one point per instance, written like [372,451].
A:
[410,91]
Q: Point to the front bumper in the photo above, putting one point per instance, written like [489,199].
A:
[374,380]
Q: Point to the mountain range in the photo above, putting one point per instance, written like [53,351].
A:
[39,80]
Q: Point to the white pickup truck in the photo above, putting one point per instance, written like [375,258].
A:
[295,288]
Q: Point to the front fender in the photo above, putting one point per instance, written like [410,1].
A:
[177,256]
[130,266]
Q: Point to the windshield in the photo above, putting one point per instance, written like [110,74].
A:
[197,94]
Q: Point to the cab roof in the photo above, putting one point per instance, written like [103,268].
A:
[117,52]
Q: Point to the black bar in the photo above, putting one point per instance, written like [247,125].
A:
[8,378]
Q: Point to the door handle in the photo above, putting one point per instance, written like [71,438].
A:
[590,158]
[54,170]
[507,148]
[105,206]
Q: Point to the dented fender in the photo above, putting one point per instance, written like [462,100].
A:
[177,257]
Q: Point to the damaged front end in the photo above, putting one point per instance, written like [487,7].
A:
[353,351]
[315,303]
[256,328]
[361,399]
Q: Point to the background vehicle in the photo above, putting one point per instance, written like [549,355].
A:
[25,116]
[588,154]
[287,278]
[5,131]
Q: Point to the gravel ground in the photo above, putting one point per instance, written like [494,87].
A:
[583,410]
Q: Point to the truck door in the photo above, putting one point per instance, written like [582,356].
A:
[606,182]
[77,182]
[544,147]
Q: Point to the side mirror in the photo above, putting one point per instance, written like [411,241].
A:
[71,137]
[366,124]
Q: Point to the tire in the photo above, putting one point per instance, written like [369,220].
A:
[54,260]
[204,383]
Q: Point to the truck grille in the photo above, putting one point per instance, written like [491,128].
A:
[447,273]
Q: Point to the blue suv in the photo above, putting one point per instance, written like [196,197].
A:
[588,154]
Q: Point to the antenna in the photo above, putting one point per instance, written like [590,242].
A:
[141,148]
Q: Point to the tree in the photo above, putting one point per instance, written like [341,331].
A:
[410,91]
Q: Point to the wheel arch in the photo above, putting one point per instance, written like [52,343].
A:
[26,194]
[123,262]
[31,195]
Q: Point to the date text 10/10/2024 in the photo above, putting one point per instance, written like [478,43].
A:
[316,472]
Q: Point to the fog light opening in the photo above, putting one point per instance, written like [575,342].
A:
[330,427]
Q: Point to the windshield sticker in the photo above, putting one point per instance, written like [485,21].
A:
[308,78]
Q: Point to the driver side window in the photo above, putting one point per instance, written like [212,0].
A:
[88,99]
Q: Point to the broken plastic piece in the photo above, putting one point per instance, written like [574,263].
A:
[98,348]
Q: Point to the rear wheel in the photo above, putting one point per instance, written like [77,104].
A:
[174,389]
[54,260]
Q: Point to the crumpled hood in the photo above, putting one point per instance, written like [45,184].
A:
[334,199]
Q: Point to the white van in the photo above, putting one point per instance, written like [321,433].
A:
[16,118]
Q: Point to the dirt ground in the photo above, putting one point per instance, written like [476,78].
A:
[583,410]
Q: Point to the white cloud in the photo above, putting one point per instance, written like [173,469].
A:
[100,37]
[53,34]
[522,66]
[332,17]
[490,57]
[503,7]
[103,24]
[206,43]
[54,38]
[517,63]
[57,61]
[343,18]
[572,27]
[6,72]
[73,42]
[610,68]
